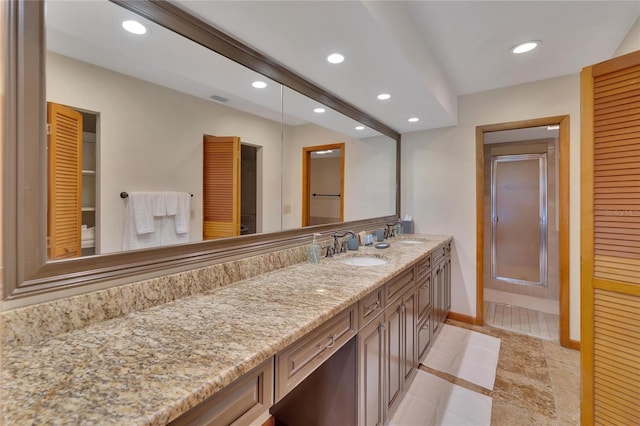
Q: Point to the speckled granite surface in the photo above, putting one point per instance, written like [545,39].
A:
[148,367]
[33,323]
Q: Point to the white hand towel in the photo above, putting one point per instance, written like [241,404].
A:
[171,202]
[140,212]
[158,204]
[131,239]
[168,234]
[183,214]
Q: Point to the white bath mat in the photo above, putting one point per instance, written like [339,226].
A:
[433,401]
[465,354]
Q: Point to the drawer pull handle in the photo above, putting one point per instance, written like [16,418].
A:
[332,341]
[373,306]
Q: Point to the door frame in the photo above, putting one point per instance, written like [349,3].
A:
[563,197]
[306,181]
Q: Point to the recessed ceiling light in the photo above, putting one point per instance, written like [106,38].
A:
[259,84]
[413,119]
[134,27]
[526,46]
[384,96]
[319,110]
[335,58]
[553,127]
[359,127]
[328,151]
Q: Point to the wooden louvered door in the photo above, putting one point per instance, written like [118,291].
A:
[611,242]
[221,187]
[64,188]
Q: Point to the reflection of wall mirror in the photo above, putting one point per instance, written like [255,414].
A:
[145,104]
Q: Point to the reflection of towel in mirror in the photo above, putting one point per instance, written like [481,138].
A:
[141,206]
[175,226]
[170,213]
[183,213]
[140,225]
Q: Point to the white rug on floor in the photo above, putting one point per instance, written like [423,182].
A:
[431,400]
[465,354]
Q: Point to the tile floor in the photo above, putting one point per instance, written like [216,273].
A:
[537,380]
[523,314]
[522,320]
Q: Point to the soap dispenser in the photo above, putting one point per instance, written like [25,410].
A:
[314,250]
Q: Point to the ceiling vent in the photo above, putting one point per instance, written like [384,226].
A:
[219,99]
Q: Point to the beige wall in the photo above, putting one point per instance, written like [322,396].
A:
[369,173]
[631,41]
[439,176]
[150,139]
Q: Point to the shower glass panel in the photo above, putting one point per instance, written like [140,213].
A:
[519,219]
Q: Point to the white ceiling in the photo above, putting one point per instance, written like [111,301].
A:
[424,53]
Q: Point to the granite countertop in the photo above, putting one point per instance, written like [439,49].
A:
[148,367]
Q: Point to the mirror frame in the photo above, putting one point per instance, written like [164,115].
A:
[26,270]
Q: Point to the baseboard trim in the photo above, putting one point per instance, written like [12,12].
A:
[574,344]
[462,318]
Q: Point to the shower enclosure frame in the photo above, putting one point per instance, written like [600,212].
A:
[542,165]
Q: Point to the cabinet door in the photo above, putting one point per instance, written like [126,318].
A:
[394,364]
[424,295]
[64,189]
[221,187]
[447,285]
[409,318]
[436,279]
[371,355]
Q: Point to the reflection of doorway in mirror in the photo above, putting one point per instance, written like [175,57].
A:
[71,188]
[323,184]
[248,189]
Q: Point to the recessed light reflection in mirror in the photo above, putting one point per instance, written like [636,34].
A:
[369,165]
[146,107]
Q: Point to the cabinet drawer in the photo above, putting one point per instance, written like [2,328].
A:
[239,403]
[370,306]
[423,268]
[440,253]
[424,296]
[297,361]
[424,336]
[398,286]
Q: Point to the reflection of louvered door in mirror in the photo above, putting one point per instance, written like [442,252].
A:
[64,189]
[611,241]
[221,187]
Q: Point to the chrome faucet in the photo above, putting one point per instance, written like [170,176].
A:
[338,246]
[390,229]
[330,250]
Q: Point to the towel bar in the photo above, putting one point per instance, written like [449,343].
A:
[125,194]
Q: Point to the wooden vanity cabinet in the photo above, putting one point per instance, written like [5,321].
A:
[394,326]
[240,403]
[371,372]
[301,358]
[441,285]
[400,327]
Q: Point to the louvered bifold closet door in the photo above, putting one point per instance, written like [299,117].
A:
[221,187]
[611,242]
[64,188]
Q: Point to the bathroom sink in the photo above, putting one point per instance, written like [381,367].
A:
[410,240]
[364,261]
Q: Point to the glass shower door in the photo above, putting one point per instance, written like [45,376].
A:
[519,219]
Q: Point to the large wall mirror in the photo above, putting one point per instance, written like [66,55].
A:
[133,117]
